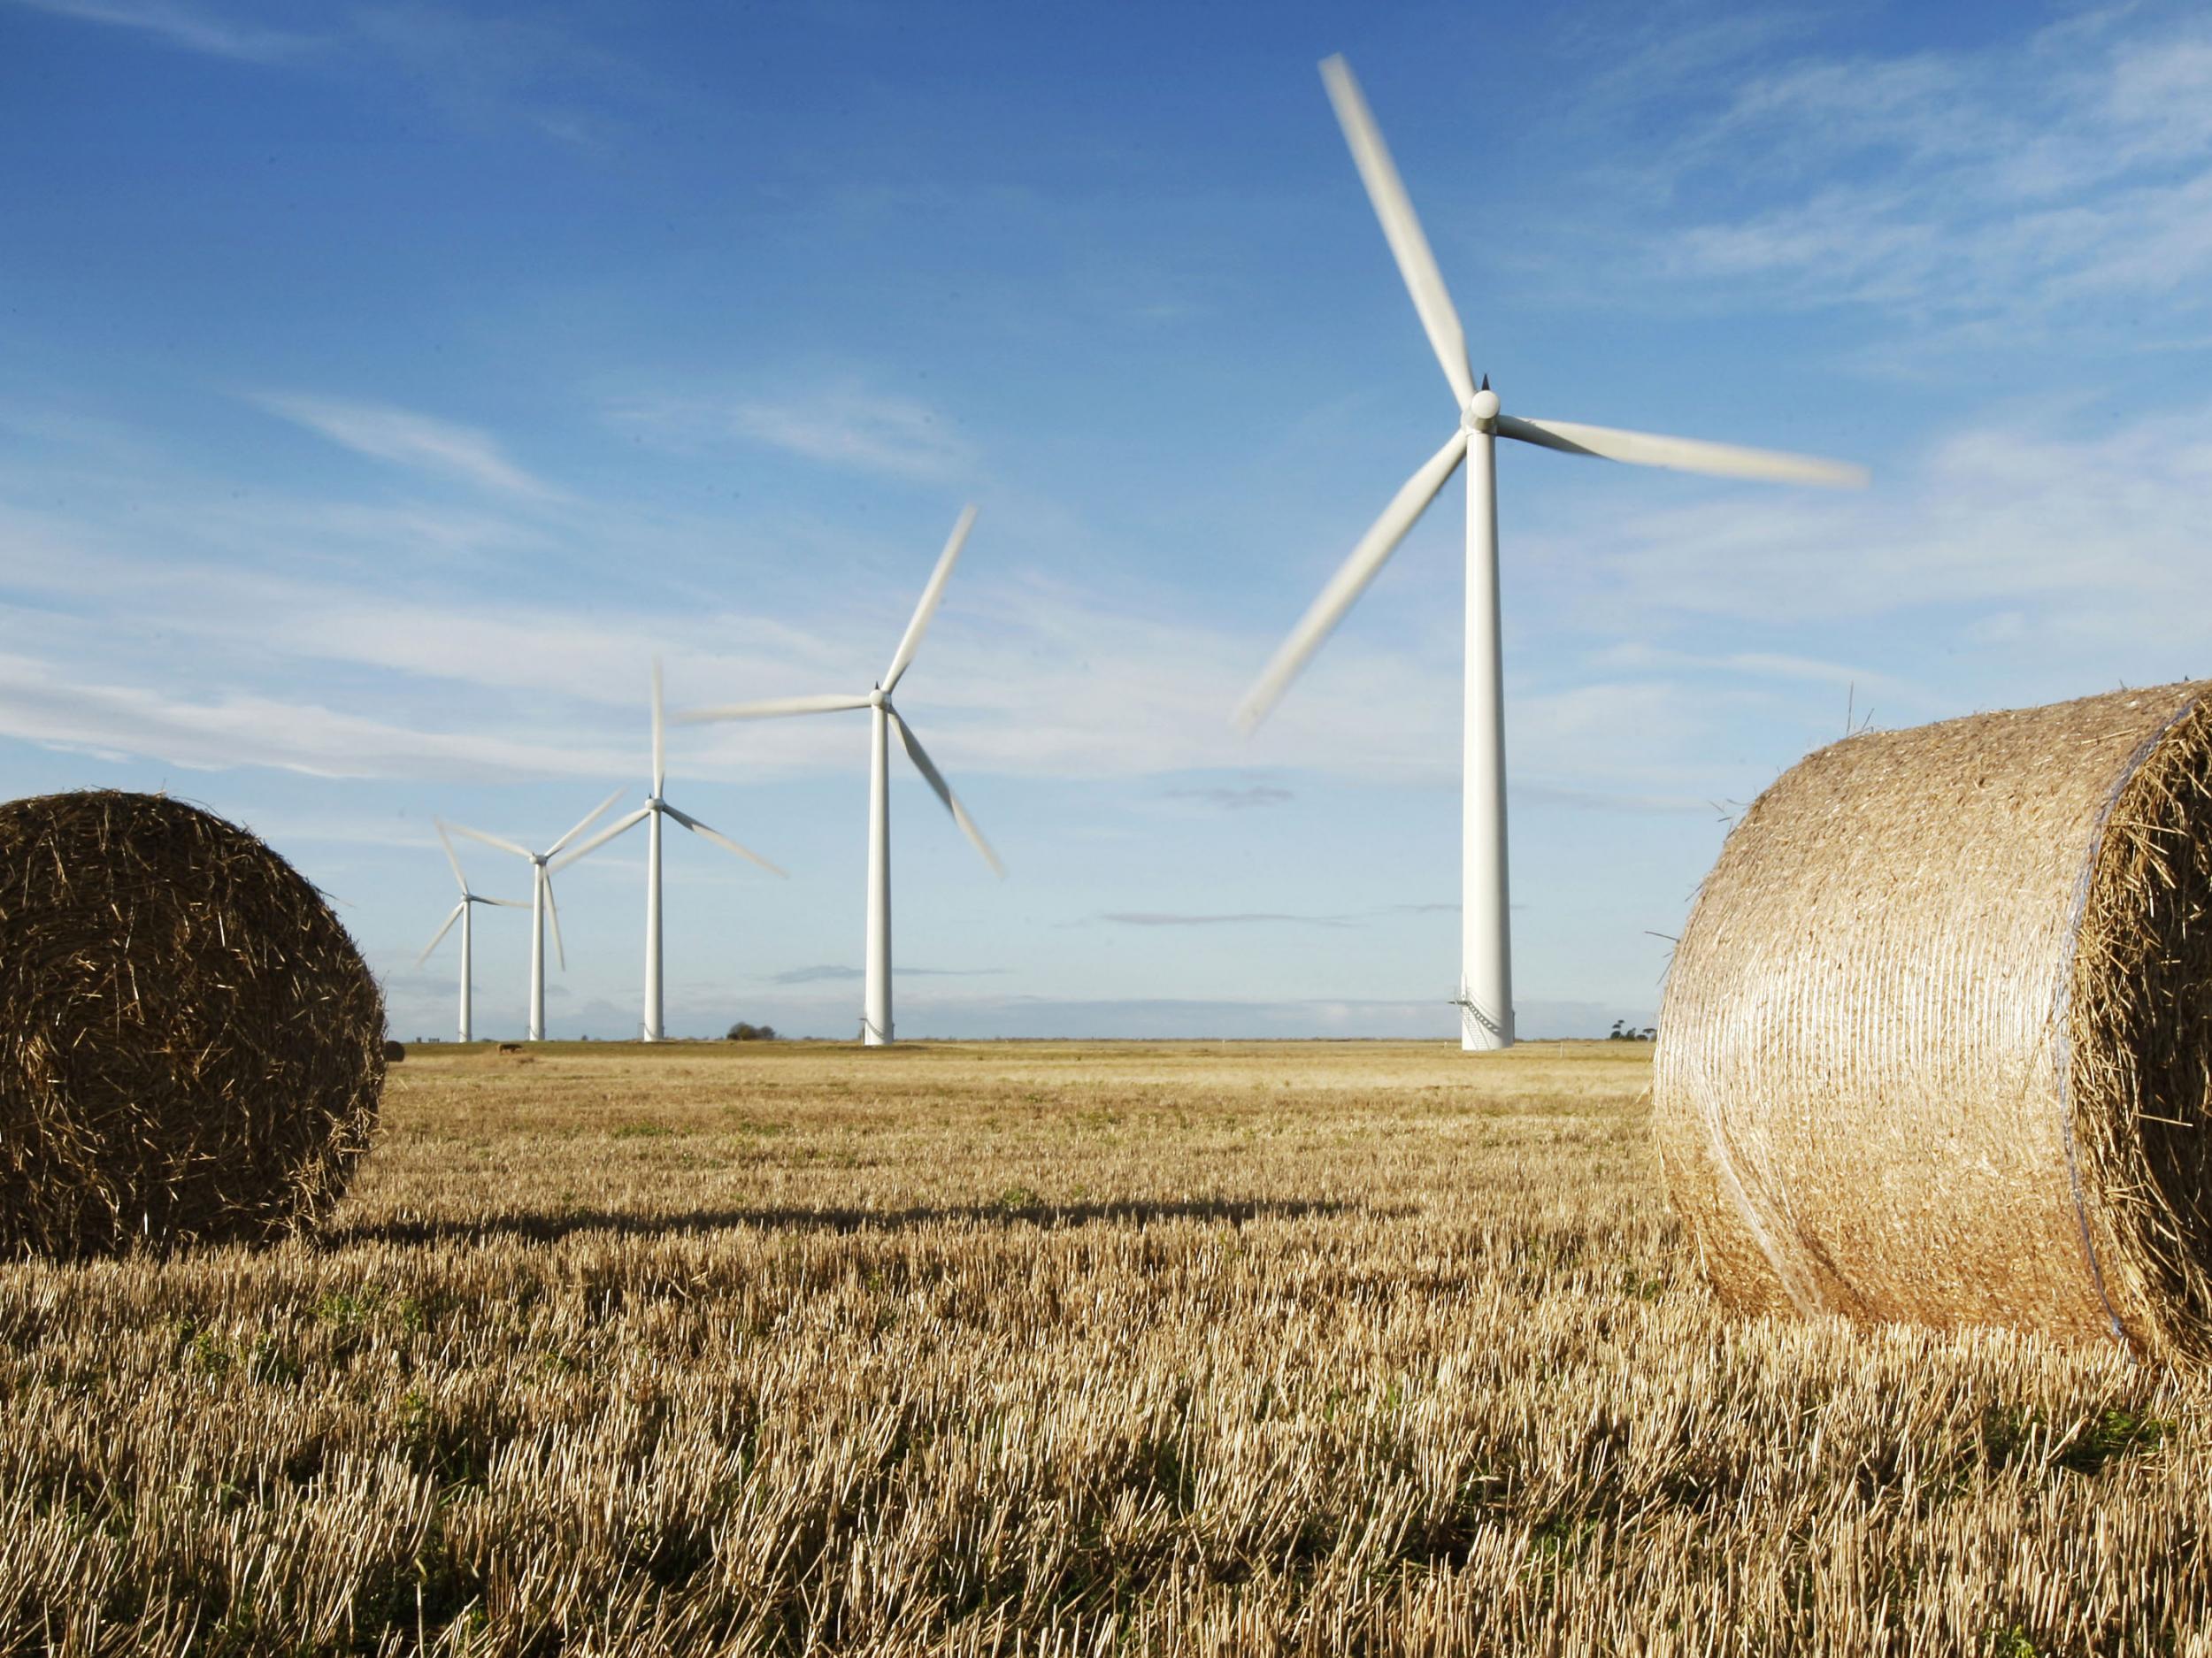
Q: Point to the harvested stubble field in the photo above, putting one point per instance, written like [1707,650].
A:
[1226,1349]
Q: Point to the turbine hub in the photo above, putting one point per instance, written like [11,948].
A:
[878,698]
[1481,413]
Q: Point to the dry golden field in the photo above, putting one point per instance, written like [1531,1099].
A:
[1037,1347]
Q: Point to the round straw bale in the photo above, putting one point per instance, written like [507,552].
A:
[191,1050]
[1936,1044]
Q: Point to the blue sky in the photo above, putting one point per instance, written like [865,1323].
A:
[384,385]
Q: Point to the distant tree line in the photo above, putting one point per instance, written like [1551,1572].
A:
[742,1032]
[1623,1032]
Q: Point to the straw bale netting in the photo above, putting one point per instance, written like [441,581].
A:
[1936,1045]
[191,1050]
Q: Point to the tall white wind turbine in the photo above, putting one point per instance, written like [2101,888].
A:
[464,912]
[542,904]
[656,807]
[875,1027]
[1486,985]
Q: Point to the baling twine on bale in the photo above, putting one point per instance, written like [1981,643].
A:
[1936,1043]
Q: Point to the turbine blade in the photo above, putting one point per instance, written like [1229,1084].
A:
[660,742]
[452,856]
[936,780]
[716,835]
[553,914]
[620,826]
[1349,581]
[590,818]
[773,707]
[1395,207]
[1686,455]
[438,937]
[912,640]
[501,903]
[489,841]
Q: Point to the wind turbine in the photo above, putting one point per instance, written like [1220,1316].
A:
[463,912]
[542,904]
[875,1025]
[1486,985]
[655,809]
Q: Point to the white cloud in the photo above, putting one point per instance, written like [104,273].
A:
[2056,512]
[298,645]
[406,439]
[1641,656]
[515,69]
[181,26]
[43,701]
[845,426]
[1977,192]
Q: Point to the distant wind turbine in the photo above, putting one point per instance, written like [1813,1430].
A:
[655,809]
[875,1027]
[464,912]
[1486,985]
[541,904]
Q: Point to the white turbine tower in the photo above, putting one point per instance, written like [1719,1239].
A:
[1486,985]
[875,1027]
[542,903]
[464,913]
[655,809]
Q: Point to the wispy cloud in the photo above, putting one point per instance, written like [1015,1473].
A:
[2050,538]
[2049,532]
[1246,918]
[1634,805]
[848,426]
[832,974]
[1638,655]
[1229,799]
[2060,512]
[475,69]
[188,28]
[512,67]
[43,704]
[1976,192]
[404,438]
[814,975]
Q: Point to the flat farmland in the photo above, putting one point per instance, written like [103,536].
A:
[1035,1348]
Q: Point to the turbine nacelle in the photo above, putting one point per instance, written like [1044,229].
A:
[879,694]
[876,1004]
[1479,412]
[1486,983]
[656,807]
[468,896]
[545,910]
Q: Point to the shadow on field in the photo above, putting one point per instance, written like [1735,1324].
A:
[545,1228]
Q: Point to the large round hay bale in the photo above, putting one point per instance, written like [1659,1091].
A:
[1936,1044]
[191,1050]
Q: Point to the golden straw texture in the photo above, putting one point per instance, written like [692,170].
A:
[191,1050]
[1934,1044]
